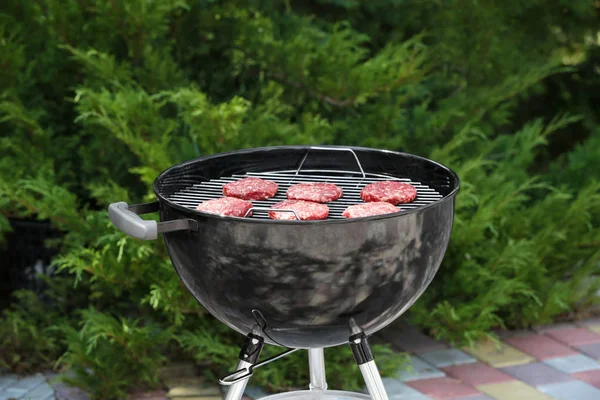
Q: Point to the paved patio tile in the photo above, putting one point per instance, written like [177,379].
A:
[443,388]
[573,364]
[27,383]
[574,336]
[179,381]
[551,327]
[446,358]
[540,346]
[477,374]
[589,322]
[153,395]
[397,390]
[594,328]
[591,377]
[590,350]
[513,390]
[6,380]
[420,370]
[536,374]
[254,392]
[12,393]
[64,392]
[505,357]
[204,390]
[411,340]
[574,390]
[41,392]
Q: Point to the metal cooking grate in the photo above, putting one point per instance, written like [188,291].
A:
[193,195]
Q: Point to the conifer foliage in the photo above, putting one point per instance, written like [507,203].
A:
[97,97]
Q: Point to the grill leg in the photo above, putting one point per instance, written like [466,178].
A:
[364,358]
[316,367]
[248,356]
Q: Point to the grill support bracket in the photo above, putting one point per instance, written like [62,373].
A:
[248,361]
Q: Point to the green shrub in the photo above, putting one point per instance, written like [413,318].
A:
[27,334]
[99,96]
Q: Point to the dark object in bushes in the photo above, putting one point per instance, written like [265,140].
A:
[25,255]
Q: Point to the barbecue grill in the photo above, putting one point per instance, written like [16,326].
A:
[301,284]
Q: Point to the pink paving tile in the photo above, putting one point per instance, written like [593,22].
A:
[574,336]
[591,377]
[477,374]
[443,388]
[540,346]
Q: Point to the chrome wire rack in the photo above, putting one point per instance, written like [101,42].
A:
[195,194]
[351,183]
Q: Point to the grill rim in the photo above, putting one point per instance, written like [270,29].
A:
[192,213]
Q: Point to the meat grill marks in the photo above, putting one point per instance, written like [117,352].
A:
[305,210]
[225,206]
[319,192]
[194,194]
[369,209]
[392,192]
[251,188]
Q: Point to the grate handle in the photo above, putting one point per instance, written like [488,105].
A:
[362,171]
[127,219]
[272,209]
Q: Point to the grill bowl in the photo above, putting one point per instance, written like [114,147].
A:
[306,282]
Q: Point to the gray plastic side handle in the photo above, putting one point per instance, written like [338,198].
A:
[131,223]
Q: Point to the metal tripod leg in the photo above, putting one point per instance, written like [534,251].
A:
[364,358]
[248,357]
[316,367]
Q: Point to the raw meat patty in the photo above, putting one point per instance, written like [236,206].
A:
[369,209]
[226,206]
[306,210]
[317,192]
[392,192]
[251,189]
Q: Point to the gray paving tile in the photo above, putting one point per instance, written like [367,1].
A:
[71,393]
[418,369]
[574,390]
[572,364]
[397,390]
[29,382]
[409,339]
[41,392]
[590,350]
[551,327]
[536,374]
[447,358]
[6,380]
[255,392]
[589,322]
[14,392]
